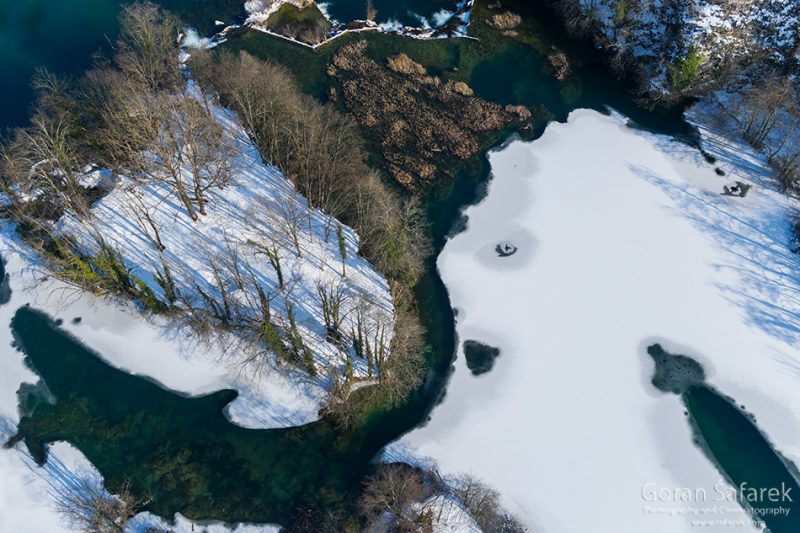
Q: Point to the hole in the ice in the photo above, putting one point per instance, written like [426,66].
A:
[480,357]
[505,249]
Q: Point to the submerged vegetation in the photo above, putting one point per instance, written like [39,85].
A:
[424,123]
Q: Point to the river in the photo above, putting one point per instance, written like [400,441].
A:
[183,451]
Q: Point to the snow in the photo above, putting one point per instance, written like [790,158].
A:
[720,31]
[448,515]
[28,492]
[245,211]
[154,346]
[146,522]
[192,39]
[624,240]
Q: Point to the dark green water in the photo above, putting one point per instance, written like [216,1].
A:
[732,440]
[180,449]
[61,35]
[746,457]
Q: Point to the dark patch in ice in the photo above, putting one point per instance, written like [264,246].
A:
[739,189]
[708,157]
[32,395]
[5,284]
[76,320]
[719,171]
[505,249]
[480,357]
[510,250]
[674,372]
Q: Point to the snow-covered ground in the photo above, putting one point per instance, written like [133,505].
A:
[718,30]
[448,515]
[246,216]
[158,348]
[28,492]
[623,238]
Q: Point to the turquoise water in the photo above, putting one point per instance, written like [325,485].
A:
[61,35]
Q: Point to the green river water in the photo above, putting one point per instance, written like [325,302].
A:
[181,451]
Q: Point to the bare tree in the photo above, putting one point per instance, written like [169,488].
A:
[368,326]
[265,109]
[43,163]
[142,214]
[763,104]
[484,505]
[207,152]
[188,151]
[147,47]
[342,247]
[371,11]
[88,507]
[393,489]
[272,251]
[332,295]
[287,214]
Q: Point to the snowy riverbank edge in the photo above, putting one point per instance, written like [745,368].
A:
[258,11]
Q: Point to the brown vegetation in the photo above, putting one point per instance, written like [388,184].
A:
[405,65]
[320,150]
[560,63]
[399,497]
[505,20]
[423,124]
